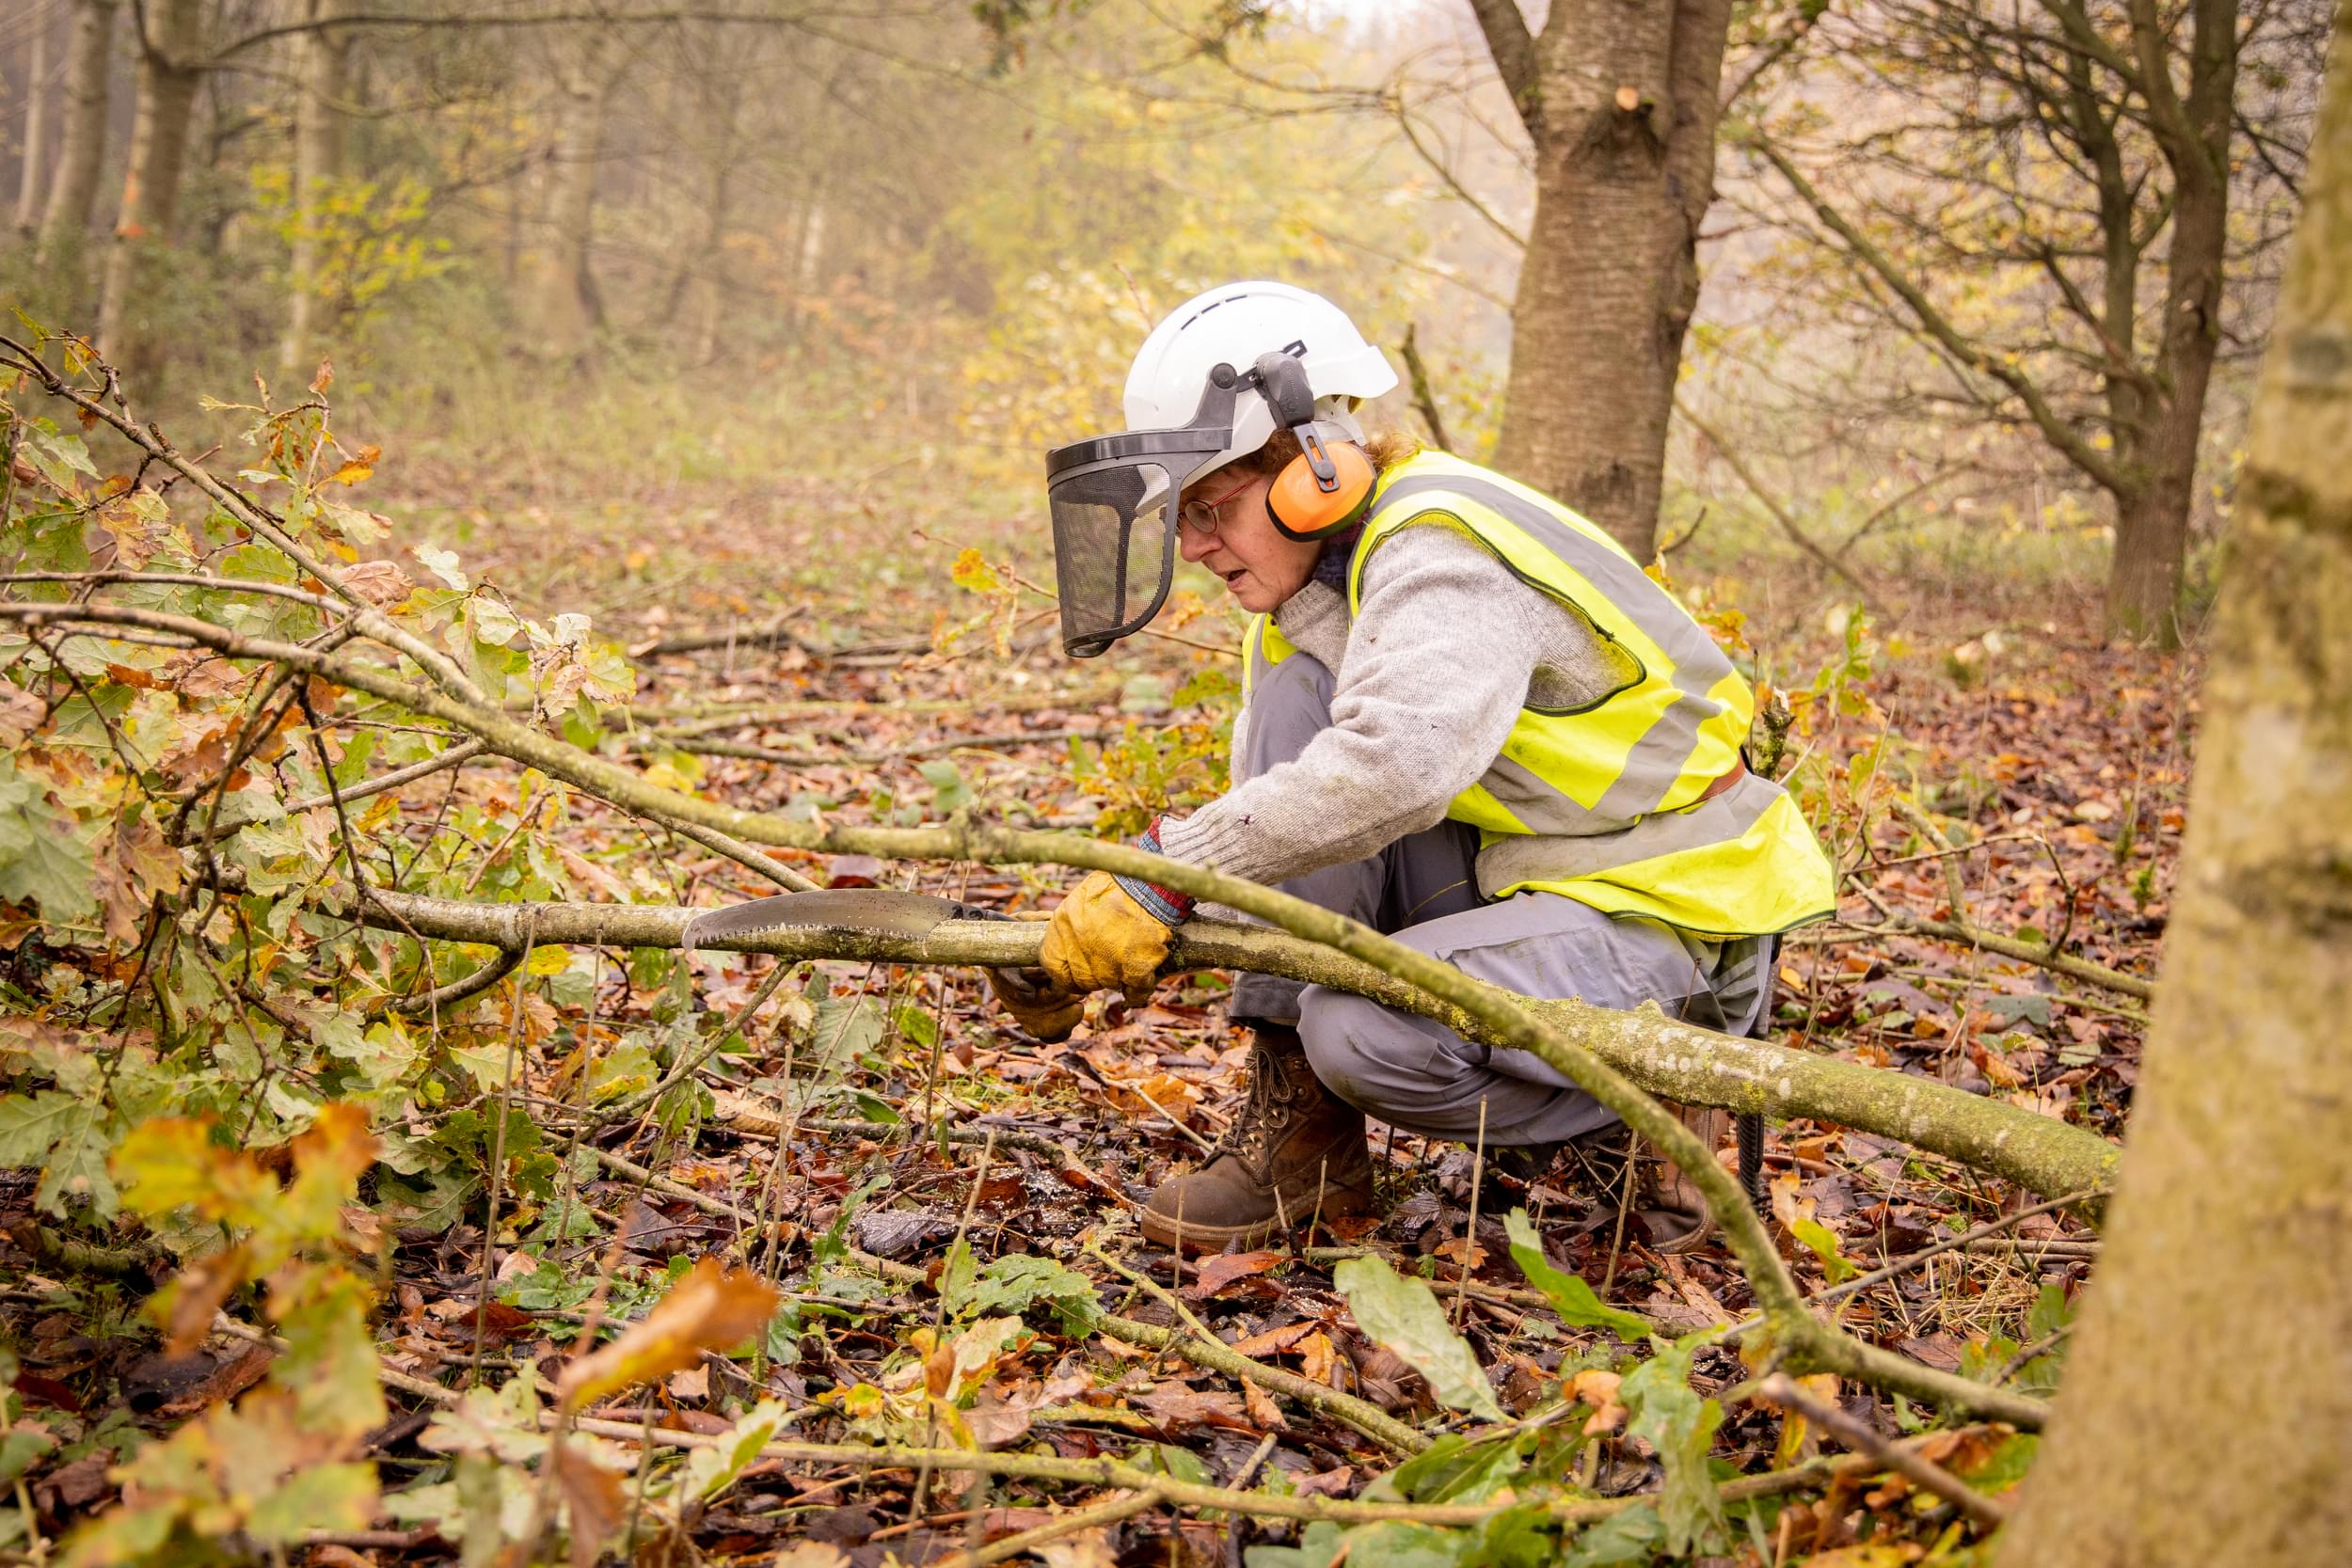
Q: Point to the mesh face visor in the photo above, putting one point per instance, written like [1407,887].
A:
[1115,501]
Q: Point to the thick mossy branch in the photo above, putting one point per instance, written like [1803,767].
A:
[1678,1061]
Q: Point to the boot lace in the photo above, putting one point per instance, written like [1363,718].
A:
[1264,1112]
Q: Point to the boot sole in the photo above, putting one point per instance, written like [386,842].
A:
[1193,1236]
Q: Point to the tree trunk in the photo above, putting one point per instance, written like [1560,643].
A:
[318,164]
[81,138]
[34,163]
[170,72]
[1622,112]
[2151,537]
[2151,522]
[712,286]
[2203,1418]
[563,298]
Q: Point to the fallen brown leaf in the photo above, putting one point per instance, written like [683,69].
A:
[1226,1267]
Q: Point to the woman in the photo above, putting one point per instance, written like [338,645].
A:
[1470,721]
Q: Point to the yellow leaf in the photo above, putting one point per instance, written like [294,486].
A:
[169,1162]
[357,468]
[711,1308]
[329,1161]
[973,573]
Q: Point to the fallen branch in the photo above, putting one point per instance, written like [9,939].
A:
[1678,1061]
[1107,1513]
[759,635]
[1118,1473]
[684,718]
[499,967]
[457,755]
[2012,947]
[1215,1355]
[68,1256]
[750,753]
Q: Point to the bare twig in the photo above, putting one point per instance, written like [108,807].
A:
[1425,400]
[1101,1514]
[1774,508]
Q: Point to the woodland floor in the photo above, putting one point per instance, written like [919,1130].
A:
[926,1115]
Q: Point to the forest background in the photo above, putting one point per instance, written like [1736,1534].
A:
[678,377]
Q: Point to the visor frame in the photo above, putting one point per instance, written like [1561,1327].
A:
[1183,453]
[1093,644]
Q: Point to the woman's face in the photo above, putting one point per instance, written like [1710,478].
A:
[1260,568]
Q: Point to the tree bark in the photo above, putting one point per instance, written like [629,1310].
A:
[320,56]
[81,138]
[170,68]
[35,164]
[1620,103]
[2203,1417]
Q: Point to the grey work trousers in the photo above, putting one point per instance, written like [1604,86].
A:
[1423,890]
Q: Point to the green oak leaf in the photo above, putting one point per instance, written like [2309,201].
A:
[1403,1315]
[1569,1296]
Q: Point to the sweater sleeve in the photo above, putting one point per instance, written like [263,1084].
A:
[1437,668]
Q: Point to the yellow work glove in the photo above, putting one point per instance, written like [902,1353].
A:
[1102,938]
[1039,1005]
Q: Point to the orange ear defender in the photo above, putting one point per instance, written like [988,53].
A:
[1304,504]
[1323,489]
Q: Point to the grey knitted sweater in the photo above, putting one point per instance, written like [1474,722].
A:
[1429,679]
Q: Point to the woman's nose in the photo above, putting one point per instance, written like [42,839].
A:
[1193,543]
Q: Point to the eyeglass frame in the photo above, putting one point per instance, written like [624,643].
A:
[1185,514]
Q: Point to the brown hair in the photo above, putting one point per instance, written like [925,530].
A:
[1386,447]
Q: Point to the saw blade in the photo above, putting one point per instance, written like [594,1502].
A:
[873,912]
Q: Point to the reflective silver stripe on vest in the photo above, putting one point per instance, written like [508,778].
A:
[1512,860]
[1541,808]
[1659,758]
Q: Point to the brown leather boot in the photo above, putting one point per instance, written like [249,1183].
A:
[1672,1210]
[1297,1150]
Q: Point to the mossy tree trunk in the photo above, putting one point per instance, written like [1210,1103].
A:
[2206,1415]
[82,134]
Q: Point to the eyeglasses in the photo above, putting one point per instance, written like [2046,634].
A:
[1205,517]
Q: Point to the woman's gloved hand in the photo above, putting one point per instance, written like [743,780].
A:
[1102,939]
[1112,933]
[1039,1005]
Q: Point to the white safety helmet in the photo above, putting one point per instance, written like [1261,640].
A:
[1233,324]
[1212,383]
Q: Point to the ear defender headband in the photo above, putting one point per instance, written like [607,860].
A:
[1325,488]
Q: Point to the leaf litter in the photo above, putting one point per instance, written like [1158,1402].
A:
[857,1113]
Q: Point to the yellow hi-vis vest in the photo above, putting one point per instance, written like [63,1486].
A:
[1613,789]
